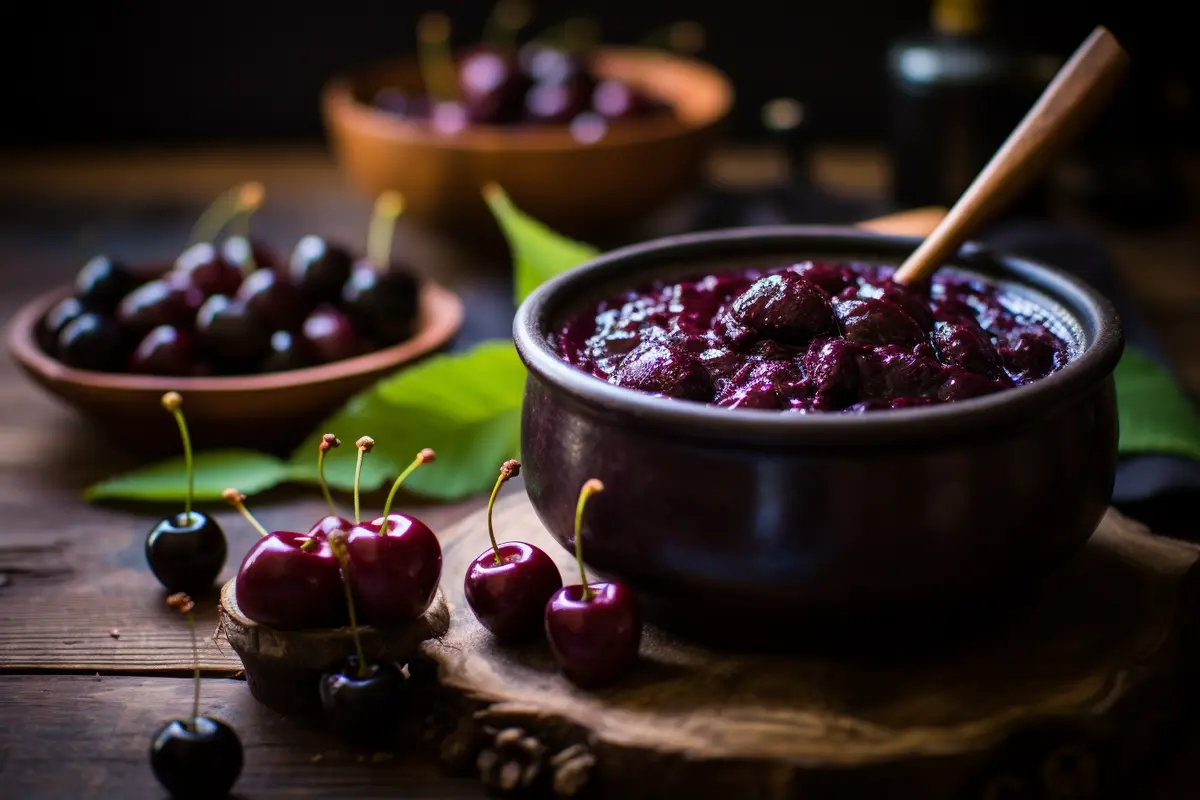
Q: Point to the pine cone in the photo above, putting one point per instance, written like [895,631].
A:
[572,770]
[512,764]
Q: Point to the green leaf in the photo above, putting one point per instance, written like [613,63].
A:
[538,252]
[466,407]
[216,471]
[1155,414]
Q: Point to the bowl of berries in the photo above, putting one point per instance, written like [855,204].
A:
[264,346]
[788,433]
[583,138]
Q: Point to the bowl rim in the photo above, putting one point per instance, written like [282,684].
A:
[436,332]
[339,102]
[774,428]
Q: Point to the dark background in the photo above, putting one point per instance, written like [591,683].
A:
[132,73]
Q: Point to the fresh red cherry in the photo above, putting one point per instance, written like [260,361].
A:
[363,700]
[332,521]
[509,584]
[288,580]
[594,629]
[186,552]
[166,350]
[199,756]
[396,561]
[491,85]
[331,336]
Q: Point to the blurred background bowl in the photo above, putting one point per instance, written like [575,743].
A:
[268,411]
[578,188]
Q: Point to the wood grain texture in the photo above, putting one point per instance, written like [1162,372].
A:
[1093,670]
[88,738]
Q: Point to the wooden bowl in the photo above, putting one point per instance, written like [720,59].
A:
[270,411]
[283,668]
[576,188]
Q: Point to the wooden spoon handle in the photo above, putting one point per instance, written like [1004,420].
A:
[1077,92]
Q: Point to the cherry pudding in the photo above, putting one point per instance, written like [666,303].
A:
[816,336]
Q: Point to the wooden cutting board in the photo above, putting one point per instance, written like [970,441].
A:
[1061,699]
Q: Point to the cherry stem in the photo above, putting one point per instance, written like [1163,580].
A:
[337,543]
[328,442]
[590,487]
[191,619]
[238,501]
[173,403]
[364,446]
[434,56]
[509,469]
[423,457]
[507,19]
[214,218]
[388,208]
[249,199]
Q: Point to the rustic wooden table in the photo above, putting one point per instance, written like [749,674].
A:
[90,660]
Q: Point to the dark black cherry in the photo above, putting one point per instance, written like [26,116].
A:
[364,706]
[287,351]
[186,552]
[249,254]
[272,299]
[164,351]
[384,302]
[230,336]
[171,300]
[207,270]
[55,320]
[331,336]
[197,760]
[92,342]
[666,368]
[319,268]
[614,99]
[101,283]
[491,85]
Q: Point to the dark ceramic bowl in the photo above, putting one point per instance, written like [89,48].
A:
[765,518]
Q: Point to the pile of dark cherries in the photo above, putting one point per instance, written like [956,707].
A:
[816,336]
[233,308]
[534,85]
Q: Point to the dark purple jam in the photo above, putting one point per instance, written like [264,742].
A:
[816,336]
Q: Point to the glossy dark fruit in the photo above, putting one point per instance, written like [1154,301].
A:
[249,254]
[364,707]
[201,763]
[1029,355]
[331,336]
[328,524]
[556,103]
[546,64]
[287,351]
[55,320]
[963,385]
[594,641]
[490,85]
[395,577]
[273,300]
[171,300]
[230,336]
[968,347]
[785,308]
[509,598]
[614,99]
[877,322]
[664,367]
[186,552]
[164,351]
[209,271]
[101,283]
[92,342]
[282,586]
[383,301]
[319,268]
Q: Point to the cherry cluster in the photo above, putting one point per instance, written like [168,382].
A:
[232,306]
[515,590]
[502,84]
[383,572]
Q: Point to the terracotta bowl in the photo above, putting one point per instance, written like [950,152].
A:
[576,188]
[759,521]
[272,411]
